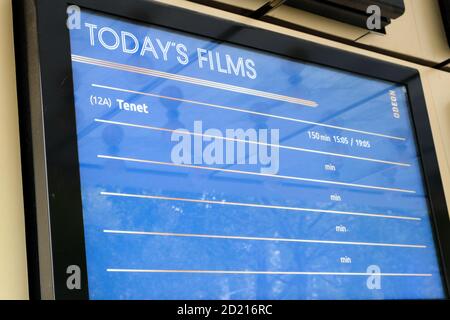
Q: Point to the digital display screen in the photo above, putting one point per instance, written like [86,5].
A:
[216,171]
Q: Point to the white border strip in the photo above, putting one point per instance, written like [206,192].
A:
[210,236]
[255,205]
[246,272]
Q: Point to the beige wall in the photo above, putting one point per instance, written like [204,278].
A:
[13,273]
[416,34]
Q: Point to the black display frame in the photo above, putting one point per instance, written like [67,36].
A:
[52,195]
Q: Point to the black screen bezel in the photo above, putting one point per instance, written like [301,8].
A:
[48,132]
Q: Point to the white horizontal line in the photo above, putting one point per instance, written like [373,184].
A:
[186,132]
[246,272]
[253,173]
[249,112]
[192,80]
[209,236]
[255,205]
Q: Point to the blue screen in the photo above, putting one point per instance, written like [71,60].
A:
[216,171]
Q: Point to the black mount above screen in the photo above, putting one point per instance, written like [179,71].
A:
[445,12]
[55,234]
[351,12]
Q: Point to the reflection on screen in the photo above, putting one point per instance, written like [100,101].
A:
[213,171]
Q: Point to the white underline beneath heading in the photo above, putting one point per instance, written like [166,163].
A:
[193,80]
